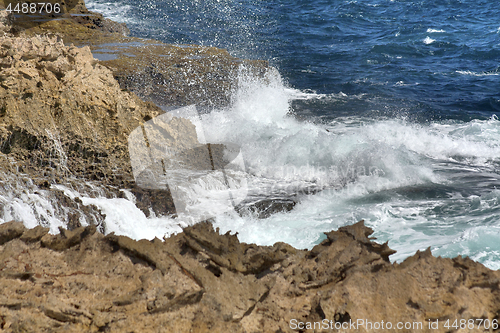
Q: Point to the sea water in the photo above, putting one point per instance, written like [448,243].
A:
[382,110]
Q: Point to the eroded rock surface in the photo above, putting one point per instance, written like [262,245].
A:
[166,74]
[201,281]
[62,110]
[63,116]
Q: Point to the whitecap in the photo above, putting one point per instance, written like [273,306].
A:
[428,40]
[471,73]
[430,30]
[115,11]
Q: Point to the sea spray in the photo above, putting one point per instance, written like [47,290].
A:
[417,185]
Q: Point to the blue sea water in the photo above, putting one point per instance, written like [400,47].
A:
[388,108]
[432,60]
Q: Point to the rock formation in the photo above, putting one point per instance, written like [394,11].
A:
[58,103]
[168,75]
[63,116]
[200,281]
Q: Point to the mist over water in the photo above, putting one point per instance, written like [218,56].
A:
[380,110]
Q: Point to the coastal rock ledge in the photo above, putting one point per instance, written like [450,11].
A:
[201,281]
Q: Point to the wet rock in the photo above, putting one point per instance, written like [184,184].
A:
[165,74]
[97,21]
[264,208]
[74,11]
[157,201]
[176,75]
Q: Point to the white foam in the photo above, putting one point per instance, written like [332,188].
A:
[427,40]
[430,30]
[115,11]
[471,73]
[296,94]
[355,159]
[23,201]
[124,218]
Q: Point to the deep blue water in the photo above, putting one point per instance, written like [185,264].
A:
[422,59]
[394,110]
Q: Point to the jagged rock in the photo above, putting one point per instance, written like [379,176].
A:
[79,115]
[66,238]
[113,283]
[64,115]
[10,230]
[228,252]
[5,22]
[34,235]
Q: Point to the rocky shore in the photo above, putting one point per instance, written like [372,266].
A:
[64,119]
[201,281]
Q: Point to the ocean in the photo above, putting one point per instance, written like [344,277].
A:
[381,110]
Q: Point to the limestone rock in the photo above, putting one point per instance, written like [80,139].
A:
[62,109]
[63,115]
[5,22]
[10,230]
[66,238]
[201,281]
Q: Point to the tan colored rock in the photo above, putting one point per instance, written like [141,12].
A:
[5,22]
[64,116]
[117,284]
[10,230]
[63,110]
